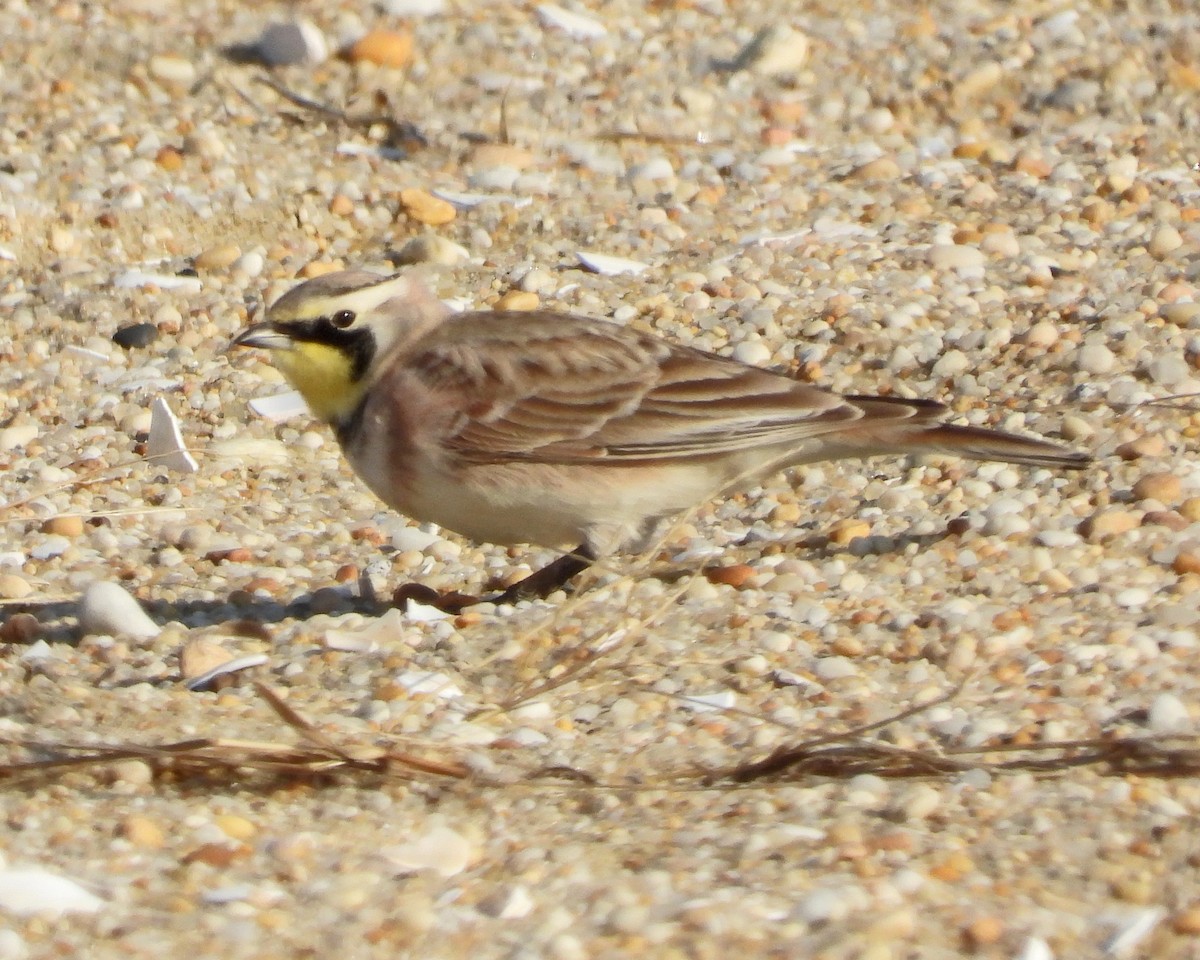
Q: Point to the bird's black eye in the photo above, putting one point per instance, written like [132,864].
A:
[342,319]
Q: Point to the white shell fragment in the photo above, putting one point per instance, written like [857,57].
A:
[7,254]
[423,613]
[164,281]
[710,702]
[465,200]
[1036,949]
[229,666]
[413,8]
[437,684]
[31,890]
[297,41]
[573,24]
[385,631]
[608,266]
[1132,929]
[280,406]
[442,850]
[165,445]
[107,609]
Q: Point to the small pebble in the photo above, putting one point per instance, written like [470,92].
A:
[1163,487]
[1187,922]
[385,48]
[425,208]
[292,42]
[21,629]
[218,257]
[1166,240]
[234,826]
[440,849]
[1132,597]
[1168,714]
[17,436]
[569,22]
[487,155]
[143,832]
[1149,445]
[201,655]
[983,932]
[777,51]
[431,248]
[735,575]
[518,300]
[881,168]
[172,70]
[107,609]
[1110,523]
[14,587]
[1095,358]
[1180,314]
[848,529]
[68,525]
[754,352]
[955,257]
[251,264]
[135,336]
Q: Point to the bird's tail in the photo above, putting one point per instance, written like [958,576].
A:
[978,443]
[917,424]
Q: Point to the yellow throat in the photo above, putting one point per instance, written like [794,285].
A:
[324,377]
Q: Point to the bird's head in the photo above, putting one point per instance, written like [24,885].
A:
[329,334]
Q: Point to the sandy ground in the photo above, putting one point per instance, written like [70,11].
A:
[992,204]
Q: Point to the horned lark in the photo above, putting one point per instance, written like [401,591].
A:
[564,431]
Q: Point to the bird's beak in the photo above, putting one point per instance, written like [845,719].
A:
[266,335]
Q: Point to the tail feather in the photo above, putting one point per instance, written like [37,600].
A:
[892,421]
[978,443]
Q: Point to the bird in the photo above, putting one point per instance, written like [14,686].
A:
[565,431]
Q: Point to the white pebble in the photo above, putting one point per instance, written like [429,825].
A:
[1094,358]
[32,890]
[251,264]
[107,609]
[953,256]
[1169,370]
[777,51]
[835,668]
[753,352]
[51,546]
[657,169]
[442,850]
[1168,714]
[951,364]
[174,70]
[1132,597]
[17,436]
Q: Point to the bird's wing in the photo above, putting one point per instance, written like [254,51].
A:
[552,388]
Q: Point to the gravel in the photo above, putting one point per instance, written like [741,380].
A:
[988,204]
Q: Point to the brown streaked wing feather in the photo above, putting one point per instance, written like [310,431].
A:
[553,388]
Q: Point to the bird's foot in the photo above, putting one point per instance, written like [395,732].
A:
[449,601]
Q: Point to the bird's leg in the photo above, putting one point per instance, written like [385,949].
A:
[542,583]
[450,601]
[539,584]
